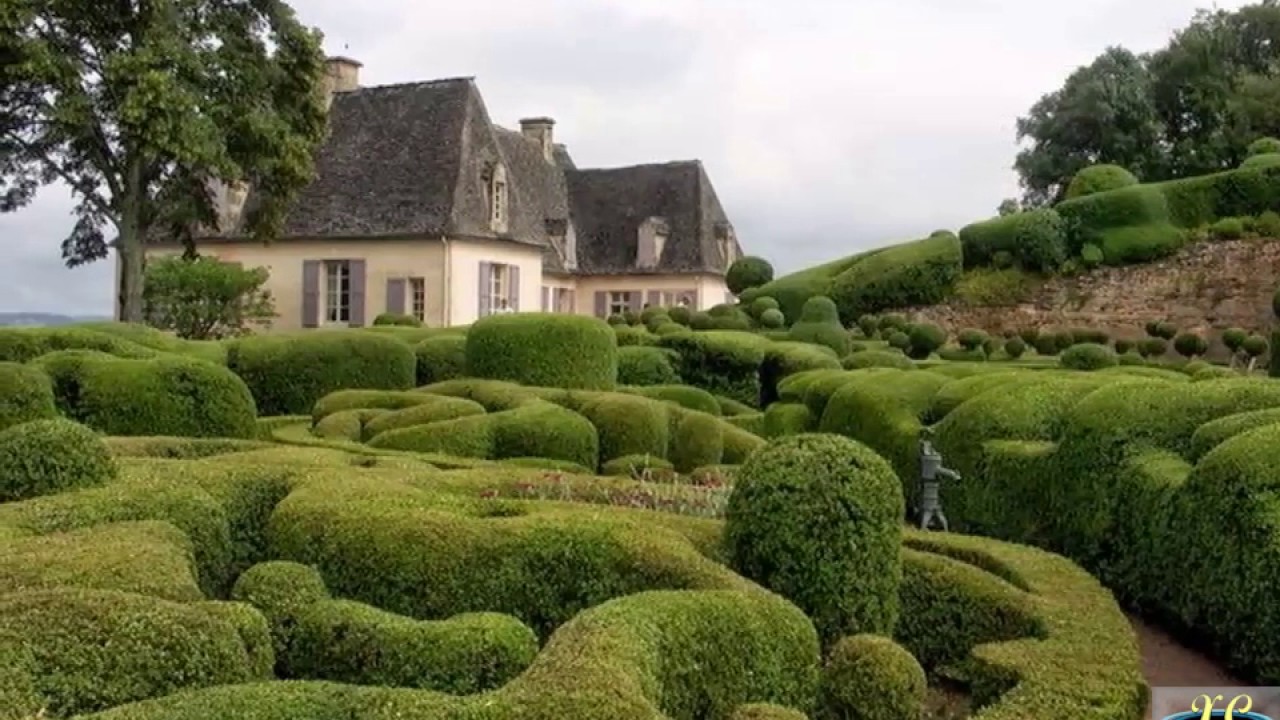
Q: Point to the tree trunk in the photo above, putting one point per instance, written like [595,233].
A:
[129,247]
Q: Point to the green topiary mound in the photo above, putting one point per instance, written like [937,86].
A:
[26,393]
[441,358]
[870,677]
[1088,356]
[820,324]
[43,457]
[799,497]
[1099,178]
[543,349]
[748,272]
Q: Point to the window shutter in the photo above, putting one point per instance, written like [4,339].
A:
[513,289]
[569,304]
[655,298]
[310,293]
[546,298]
[602,304]
[395,295]
[482,294]
[635,300]
[357,292]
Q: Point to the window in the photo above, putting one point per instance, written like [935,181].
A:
[563,300]
[659,244]
[669,298]
[726,249]
[499,281]
[619,302]
[498,200]
[337,295]
[418,299]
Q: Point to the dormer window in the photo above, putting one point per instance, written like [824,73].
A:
[654,234]
[659,244]
[725,239]
[498,199]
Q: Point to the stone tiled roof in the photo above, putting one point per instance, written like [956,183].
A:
[415,158]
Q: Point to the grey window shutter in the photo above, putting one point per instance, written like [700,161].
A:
[546,298]
[310,293]
[513,289]
[482,295]
[395,295]
[655,298]
[357,292]
[602,304]
[635,300]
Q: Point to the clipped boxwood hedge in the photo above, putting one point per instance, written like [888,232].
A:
[26,393]
[544,349]
[42,457]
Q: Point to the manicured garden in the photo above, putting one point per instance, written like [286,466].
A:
[545,516]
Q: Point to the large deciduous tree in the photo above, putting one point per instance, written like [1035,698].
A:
[141,106]
[1104,113]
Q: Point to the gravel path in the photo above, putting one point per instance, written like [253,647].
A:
[1167,662]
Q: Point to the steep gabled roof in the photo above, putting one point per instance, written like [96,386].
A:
[610,205]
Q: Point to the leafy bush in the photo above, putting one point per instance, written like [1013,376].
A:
[1036,239]
[801,495]
[628,425]
[1264,160]
[971,338]
[1227,229]
[925,339]
[544,350]
[1099,178]
[1267,224]
[397,319]
[876,358]
[680,314]
[1263,146]
[757,307]
[641,365]
[1190,345]
[869,325]
[819,324]
[1091,255]
[287,373]
[1163,330]
[698,441]
[899,340]
[721,362]
[441,358]
[42,457]
[26,393]
[1088,356]
[1123,345]
[1152,347]
[1254,346]
[1014,347]
[772,318]
[870,677]
[1234,338]
[748,272]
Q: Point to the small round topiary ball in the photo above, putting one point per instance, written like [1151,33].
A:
[817,518]
[870,677]
[748,272]
[43,457]
[1099,178]
[772,319]
[1088,356]
[1264,146]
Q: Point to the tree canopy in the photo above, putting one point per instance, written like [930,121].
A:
[1189,108]
[143,107]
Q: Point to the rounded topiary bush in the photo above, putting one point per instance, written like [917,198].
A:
[635,466]
[758,306]
[772,318]
[871,677]
[1014,347]
[799,497]
[924,340]
[544,350]
[748,272]
[698,440]
[876,358]
[397,319]
[1264,146]
[680,314]
[899,340]
[1099,178]
[1152,347]
[42,457]
[288,373]
[628,425]
[1190,345]
[1088,356]
[646,365]
[441,358]
[26,393]
[1091,255]
[702,320]
[819,324]
[1264,160]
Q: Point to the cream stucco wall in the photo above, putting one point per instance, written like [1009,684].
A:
[465,257]
[710,289]
[385,259]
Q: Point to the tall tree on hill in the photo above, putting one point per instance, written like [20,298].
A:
[1103,114]
[140,106]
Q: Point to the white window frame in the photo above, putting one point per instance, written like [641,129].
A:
[337,293]
[418,298]
[499,283]
[619,302]
[498,200]
[659,245]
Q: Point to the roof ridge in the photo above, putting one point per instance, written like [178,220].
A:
[669,163]
[414,83]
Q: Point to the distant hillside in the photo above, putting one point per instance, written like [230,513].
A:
[10,319]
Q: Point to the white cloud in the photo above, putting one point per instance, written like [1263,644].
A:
[828,126]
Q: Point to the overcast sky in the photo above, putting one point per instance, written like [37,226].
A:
[827,126]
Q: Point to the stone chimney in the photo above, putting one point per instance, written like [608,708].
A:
[341,74]
[539,131]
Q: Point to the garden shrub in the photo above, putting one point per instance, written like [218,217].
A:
[1152,347]
[924,340]
[1140,243]
[747,272]
[683,395]
[1190,345]
[680,315]
[700,320]
[346,425]
[759,306]
[1215,432]
[545,430]
[1263,160]
[766,711]
[435,409]
[628,336]
[1227,229]
[656,320]
[287,374]
[546,350]
[893,321]
[698,440]
[1014,347]
[800,496]
[1099,178]
[900,341]
[26,393]
[1036,239]
[819,324]
[635,466]
[472,436]
[869,325]
[1091,255]
[441,358]
[952,354]
[876,359]
[43,457]
[730,407]
[921,272]
[783,359]
[342,400]
[971,338]
[93,649]
[350,642]
[63,368]
[870,677]
[628,425]
[782,419]
[170,395]
[1087,218]
[281,591]
[1088,356]
[397,319]
[20,344]
[773,319]
[1263,146]
[722,363]
[640,365]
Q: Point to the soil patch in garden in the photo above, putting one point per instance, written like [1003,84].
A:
[946,700]
[1170,663]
